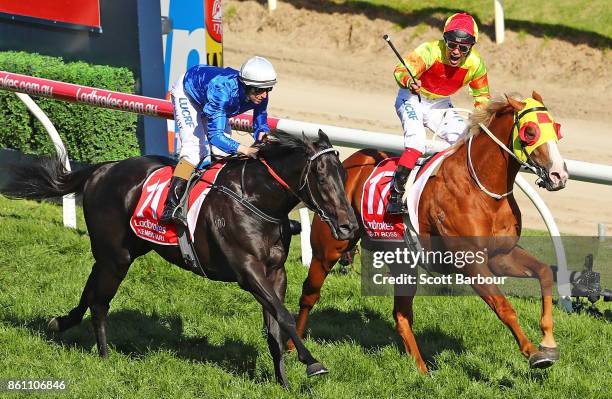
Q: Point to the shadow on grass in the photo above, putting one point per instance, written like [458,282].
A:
[436,16]
[135,334]
[370,331]
[535,376]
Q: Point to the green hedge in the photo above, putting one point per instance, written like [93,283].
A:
[90,134]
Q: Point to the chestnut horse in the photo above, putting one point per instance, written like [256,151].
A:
[455,203]
[250,248]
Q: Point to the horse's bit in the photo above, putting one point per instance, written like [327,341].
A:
[305,182]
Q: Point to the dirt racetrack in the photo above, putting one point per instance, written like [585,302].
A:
[334,68]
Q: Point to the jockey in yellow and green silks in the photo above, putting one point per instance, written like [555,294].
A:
[441,68]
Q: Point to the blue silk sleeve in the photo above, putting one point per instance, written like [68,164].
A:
[216,116]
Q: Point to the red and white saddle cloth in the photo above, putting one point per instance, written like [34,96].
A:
[378,224]
[144,221]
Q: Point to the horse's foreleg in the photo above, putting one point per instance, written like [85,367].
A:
[257,284]
[520,263]
[402,313]
[273,331]
[496,300]
[326,252]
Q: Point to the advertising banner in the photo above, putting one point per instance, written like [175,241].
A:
[195,38]
[214,33]
[74,14]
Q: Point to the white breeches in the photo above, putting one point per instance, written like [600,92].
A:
[191,124]
[430,113]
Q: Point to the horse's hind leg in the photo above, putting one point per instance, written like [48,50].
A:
[75,316]
[326,252]
[520,263]
[273,330]
[106,280]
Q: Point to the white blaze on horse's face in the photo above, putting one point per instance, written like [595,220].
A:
[536,138]
[557,171]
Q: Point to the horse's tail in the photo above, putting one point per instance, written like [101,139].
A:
[44,178]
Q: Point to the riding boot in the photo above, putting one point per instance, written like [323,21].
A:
[172,211]
[396,206]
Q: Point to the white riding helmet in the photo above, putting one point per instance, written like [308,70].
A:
[258,72]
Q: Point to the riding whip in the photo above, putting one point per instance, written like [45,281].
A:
[388,40]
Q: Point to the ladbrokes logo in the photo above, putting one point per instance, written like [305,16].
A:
[379,225]
[33,88]
[151,226]
[92,97]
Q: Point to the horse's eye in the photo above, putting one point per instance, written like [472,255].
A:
[530,133]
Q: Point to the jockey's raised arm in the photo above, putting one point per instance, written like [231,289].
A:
[441,68]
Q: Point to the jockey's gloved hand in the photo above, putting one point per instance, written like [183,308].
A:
[248,151]
[263,137]
[414,86]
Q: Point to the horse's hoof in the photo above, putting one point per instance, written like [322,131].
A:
[544,357]
[316,369]
[53,325]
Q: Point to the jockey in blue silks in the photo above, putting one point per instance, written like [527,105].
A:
[204,99]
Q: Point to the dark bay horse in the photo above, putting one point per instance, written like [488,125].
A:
[454,205]
[246,249]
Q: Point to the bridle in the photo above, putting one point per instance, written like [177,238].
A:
[310,201]
[539,171]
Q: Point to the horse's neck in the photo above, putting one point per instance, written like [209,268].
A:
[495,168]
[289,169]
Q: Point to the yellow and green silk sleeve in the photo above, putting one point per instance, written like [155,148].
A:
[418,61]
[479,85]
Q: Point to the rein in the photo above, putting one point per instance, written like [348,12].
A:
[528,165]
[304,182]
[313,205]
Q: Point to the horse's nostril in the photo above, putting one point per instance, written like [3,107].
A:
[345,229]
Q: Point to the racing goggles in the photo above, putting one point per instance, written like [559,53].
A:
[259,90]
[463,48]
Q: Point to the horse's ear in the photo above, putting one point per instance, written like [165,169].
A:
[307,141]
[536,96]
[516,104]
[323,139]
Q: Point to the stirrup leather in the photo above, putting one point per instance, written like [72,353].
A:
[396,206]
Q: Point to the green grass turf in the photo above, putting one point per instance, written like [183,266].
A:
[175,335]
[576,21]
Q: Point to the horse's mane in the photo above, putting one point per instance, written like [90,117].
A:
[486,115]
[280,142]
